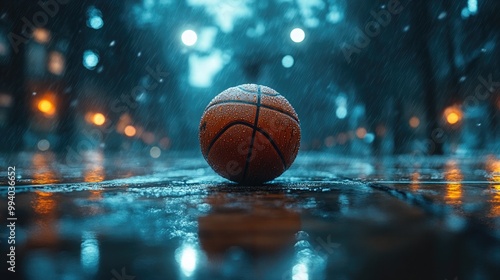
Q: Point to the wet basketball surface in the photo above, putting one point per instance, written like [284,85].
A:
[130,217]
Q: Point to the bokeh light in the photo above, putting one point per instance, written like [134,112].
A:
[56,63]
[98,119]
[287,61]
[297,35]
[46,107]
[452,118]
[148,137]
[361,132]
[41,35]
[94,18]
[189,37]
[453,115]
[472,6]
[43,145]
[90,59]
[341,112]
[165,143]
[130,131]
[414,122]
[155,152]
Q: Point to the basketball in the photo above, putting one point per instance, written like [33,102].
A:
[249,134]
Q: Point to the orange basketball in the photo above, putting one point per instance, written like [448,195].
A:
[249,134]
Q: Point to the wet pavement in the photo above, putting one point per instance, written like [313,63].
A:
[329,217]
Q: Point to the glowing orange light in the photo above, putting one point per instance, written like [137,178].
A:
[453,115]
[361,132]
[414,122]
[46,107]
[452,118]
[94,169]
[495,201]
[454,177]
[493,167]
[41,35]
[98,119]
[415,179]
[56,63]
[44,174]
[45,231]
[130,131]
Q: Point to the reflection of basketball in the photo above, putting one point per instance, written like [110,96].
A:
[260,224]
[249,134]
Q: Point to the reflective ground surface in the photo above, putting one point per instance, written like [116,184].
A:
[131,217]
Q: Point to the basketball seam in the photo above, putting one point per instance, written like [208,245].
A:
[252,141]
[260,130]
[263,93]
[251,103]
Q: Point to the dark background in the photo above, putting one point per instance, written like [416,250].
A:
[370,77]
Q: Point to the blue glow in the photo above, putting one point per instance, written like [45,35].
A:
[89,254]
[95,22]
[335,15]
[465,13]
[472,6]
[369,138]
[300,272]
[94,18]
[188,261]
[287,61]
[90,59]
[341,112]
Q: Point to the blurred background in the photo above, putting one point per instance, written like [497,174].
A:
[365,77]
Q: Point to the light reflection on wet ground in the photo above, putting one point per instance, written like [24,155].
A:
[327,218]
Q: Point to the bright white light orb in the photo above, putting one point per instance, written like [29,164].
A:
[297,35]
[188,261]
[189,38]
[287,61]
